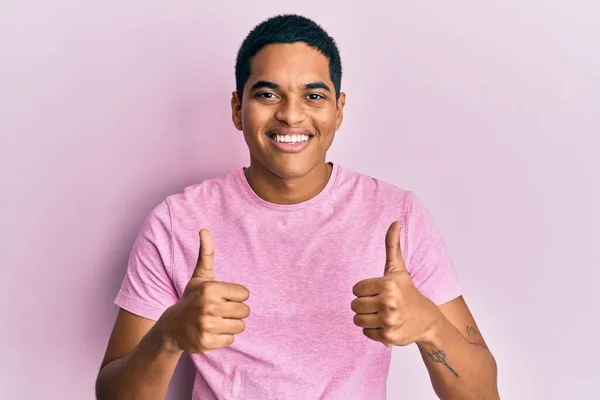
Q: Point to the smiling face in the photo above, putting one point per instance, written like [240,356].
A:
[289,113]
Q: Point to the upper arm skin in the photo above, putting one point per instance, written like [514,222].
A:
[128,331]
[457,312]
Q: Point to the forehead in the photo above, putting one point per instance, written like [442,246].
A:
[294,63]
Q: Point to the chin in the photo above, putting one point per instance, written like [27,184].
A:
[289,173]
[290,170]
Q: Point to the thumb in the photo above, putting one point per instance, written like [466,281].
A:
[394,262]
[204,266]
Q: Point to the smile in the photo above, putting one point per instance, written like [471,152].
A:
[289,138]
[290,143]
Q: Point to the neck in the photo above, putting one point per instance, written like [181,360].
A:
[278,190]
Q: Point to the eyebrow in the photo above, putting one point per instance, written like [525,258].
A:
[273,85]
[318,85]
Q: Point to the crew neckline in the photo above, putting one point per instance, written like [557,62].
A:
[288,207]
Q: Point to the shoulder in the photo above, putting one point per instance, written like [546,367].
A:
[195,201]
[206,194]
[374,189]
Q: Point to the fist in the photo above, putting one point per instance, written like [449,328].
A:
[390,309]
[209,313]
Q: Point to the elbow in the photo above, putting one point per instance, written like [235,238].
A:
[100,391]
[102,386]
[480,384]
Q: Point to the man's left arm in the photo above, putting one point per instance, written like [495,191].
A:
[459,362]
[391,310]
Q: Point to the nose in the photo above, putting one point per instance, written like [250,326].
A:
[290,112]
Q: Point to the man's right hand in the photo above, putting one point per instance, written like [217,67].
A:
[209,313]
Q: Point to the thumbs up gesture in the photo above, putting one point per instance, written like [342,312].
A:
[210,312]
[390,309]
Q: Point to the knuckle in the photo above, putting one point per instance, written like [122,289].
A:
[205,341]
[389,285]
[387,335]
[388,303]
[207,288]
[209,308]
[389,322]
[207,324]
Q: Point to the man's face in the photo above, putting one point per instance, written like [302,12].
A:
[289,113]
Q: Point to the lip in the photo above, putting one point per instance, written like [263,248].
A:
[290,131]
[290,147]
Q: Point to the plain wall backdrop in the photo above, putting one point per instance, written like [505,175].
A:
[488,110]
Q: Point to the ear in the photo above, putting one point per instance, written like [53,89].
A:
[341,102]
[236,111]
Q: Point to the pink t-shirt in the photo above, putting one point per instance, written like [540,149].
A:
[299,263]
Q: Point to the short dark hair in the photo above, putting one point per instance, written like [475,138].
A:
[287,28]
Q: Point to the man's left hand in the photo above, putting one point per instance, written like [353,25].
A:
[390,309]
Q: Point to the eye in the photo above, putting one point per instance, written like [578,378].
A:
[315,96]
[266,95]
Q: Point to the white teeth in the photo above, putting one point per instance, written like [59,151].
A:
[291,138]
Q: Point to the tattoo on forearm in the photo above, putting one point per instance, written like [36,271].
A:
[439,356]
[471,330]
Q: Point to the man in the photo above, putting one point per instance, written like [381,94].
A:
[265,276]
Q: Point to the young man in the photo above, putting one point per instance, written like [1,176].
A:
[266,275]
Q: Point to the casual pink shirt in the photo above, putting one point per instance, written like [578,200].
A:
[299,263]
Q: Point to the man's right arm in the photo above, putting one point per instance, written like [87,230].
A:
[142,354]
[139,360]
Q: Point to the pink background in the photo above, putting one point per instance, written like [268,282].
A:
[489,110]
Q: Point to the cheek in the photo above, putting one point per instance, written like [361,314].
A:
[326,121]
[254,118]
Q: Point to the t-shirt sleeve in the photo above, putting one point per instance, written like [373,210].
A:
[147,289]
[427,258]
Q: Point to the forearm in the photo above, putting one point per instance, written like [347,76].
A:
[144,373]
[459,369]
